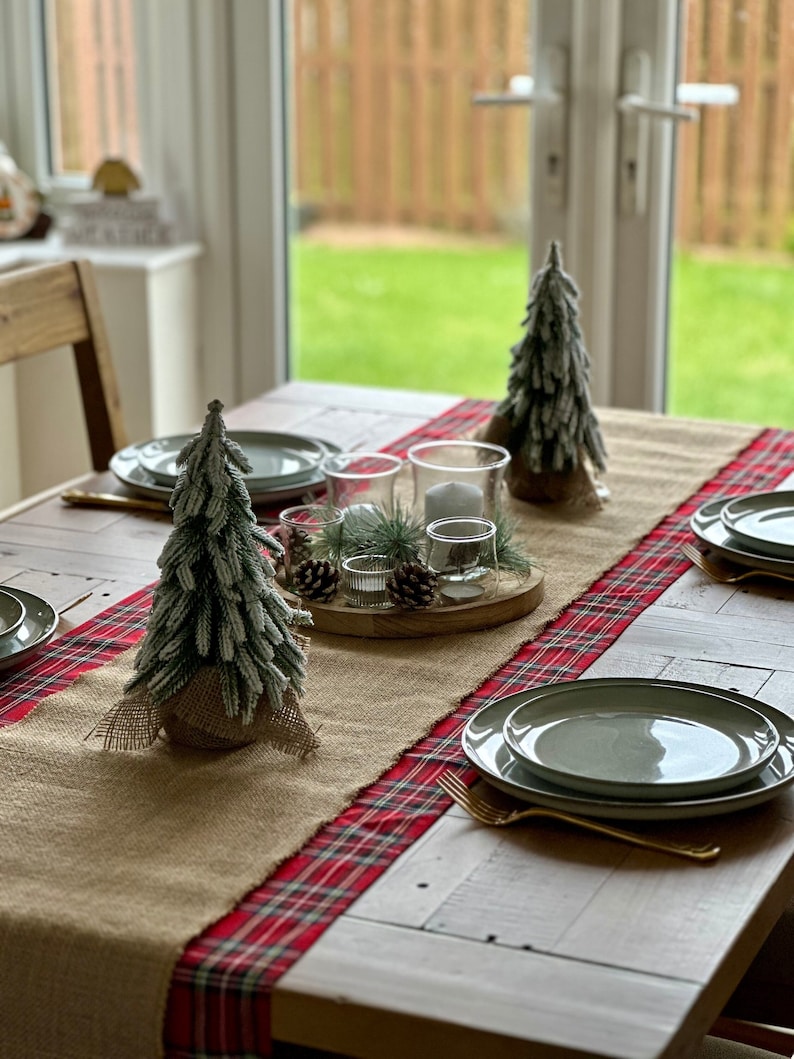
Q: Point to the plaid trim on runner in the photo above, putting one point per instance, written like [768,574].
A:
[219,1004]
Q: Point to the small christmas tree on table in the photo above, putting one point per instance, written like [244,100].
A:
[219,665]
[546,421]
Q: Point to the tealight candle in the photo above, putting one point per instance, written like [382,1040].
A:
[459,592]
[454,500]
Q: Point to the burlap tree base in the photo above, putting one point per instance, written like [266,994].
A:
[574,486]
[195,716]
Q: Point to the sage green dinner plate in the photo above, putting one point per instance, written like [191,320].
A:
[126,466]
[763,521]
[36,630]
[484,746]
[639,740]
[708,527]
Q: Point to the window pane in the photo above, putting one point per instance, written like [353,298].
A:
[410,247]
[732,319]
[91,92]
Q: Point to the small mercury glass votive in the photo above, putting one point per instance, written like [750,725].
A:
[364,580]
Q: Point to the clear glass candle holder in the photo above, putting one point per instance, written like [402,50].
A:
[309,531]
[457,478]
[462,552]
[364,581]
[361,479]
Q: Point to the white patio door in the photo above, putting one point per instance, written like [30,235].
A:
[600,173]
[611,208]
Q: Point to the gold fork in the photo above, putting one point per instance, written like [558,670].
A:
[719,573]
[486,813]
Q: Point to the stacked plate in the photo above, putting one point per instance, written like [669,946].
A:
[627,748]
[36,628]
[283,465]
[755,530]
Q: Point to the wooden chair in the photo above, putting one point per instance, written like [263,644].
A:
[47,306]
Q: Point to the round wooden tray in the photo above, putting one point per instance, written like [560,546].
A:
[513,601]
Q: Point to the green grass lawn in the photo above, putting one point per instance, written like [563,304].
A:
[444,319]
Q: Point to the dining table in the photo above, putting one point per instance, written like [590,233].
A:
[369,915]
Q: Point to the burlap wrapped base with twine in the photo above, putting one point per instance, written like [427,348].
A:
[195,716]
[575,486]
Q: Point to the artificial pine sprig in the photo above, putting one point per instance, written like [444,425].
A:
[398,534]
[508,555]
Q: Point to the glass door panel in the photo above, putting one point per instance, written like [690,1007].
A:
[732,320]
[410,204]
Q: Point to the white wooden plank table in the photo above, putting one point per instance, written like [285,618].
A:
[531,941]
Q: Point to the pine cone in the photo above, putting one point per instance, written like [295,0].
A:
[412,585]
[316,579]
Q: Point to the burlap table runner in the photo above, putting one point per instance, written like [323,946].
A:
[110,863]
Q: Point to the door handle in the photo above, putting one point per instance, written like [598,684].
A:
[633,103]
[520,92]
[552,113]
[636,110]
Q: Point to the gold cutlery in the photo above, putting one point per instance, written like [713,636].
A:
[77,496]
[485,813]
[721,574]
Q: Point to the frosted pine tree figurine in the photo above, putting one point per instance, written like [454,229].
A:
[219,665]
[546,421]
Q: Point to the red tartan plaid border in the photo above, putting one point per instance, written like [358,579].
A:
[219,1005]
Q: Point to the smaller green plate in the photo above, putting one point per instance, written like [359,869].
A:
[12,614]
[655,741]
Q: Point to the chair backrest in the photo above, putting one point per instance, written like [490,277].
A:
[47,306]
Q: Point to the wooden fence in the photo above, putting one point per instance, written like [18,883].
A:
[386,132]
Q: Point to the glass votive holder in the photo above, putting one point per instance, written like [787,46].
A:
[457,478]
[361,479]
[462,552]
[309,531]
[364,580]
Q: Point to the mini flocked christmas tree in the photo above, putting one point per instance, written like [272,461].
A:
[546,420]
[219,665]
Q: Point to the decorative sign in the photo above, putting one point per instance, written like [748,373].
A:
[115,220]
[113,215]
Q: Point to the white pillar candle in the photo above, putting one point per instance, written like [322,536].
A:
[454,500]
